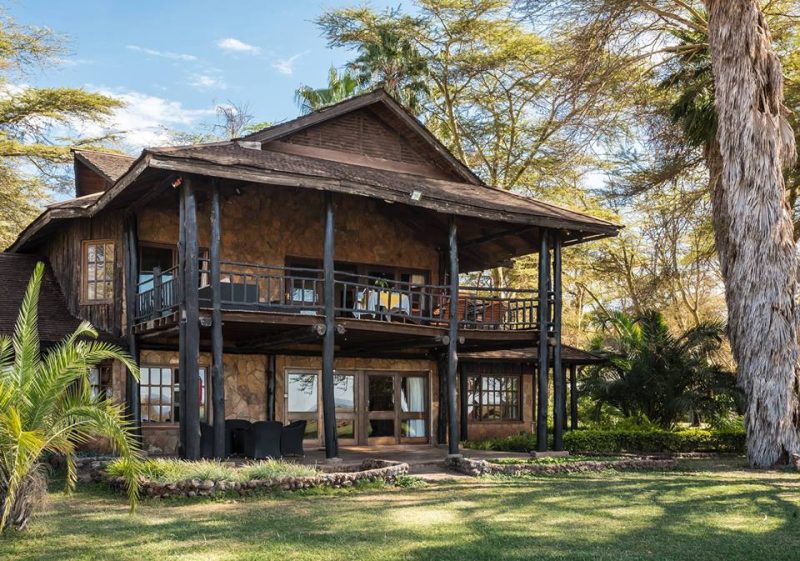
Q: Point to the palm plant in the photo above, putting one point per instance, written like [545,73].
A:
[340,87]
[46,406]
[657,376]
[391,62]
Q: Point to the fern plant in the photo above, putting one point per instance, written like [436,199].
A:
[46,407]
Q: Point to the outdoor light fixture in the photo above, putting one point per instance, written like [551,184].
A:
[416,195]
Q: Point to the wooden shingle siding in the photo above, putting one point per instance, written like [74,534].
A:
[360,132]
[64,251]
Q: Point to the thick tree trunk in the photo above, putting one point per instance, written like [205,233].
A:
[753,225]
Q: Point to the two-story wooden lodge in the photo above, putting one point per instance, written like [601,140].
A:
[311,271]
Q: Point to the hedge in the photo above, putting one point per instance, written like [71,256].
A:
[615,441]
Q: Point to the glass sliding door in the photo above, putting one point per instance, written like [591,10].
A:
[344,395]
[413,408]
[302,401]
[381,427]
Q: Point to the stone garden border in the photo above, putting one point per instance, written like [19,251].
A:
[476,468]
[93,470]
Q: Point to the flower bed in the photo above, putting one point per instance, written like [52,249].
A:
[477,468]
[223,478]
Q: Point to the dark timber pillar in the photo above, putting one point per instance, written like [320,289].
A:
[190,316]
[452,352]
[441,420]
[131,283]
[542,320]
[463,391]
[217,368]
[573,396]
[328,403]
[559,389]
[181,323]
[271,387]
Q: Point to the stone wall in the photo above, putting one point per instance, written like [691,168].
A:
[245,394]
[267,224]
[92,470]
[478,468]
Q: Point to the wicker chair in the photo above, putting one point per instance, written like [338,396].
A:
[292,438]
[237,436]
[265,440]
[206,441]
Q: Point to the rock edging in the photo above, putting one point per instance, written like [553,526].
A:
[93,470]
[477,468]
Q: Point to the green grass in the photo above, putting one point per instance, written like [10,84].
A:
[167,470]
[711,510]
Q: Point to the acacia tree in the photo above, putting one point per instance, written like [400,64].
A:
[28,118]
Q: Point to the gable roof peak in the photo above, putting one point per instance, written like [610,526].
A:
[404,122]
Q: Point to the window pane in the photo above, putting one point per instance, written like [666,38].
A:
[302,391]
[412,398]
[346,428]
[413,428]
[381,393]
[381,427]
[344,392]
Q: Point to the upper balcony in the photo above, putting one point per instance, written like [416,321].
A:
[266,291]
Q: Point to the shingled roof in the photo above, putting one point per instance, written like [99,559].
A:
[108,164]
[55,321]
[465,199]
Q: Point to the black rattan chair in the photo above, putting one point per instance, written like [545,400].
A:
[206,441]
[292,438]
[265,440]
[237,435]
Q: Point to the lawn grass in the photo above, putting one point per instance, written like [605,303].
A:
[710,510]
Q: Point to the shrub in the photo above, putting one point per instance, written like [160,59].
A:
[612,441]
[168,470]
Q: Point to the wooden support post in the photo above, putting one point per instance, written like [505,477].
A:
[191,317]
[328,403]
[559,389]
[217,368]
[131,284]
[271,387]
[573,397]
[441,418]
[463,391]
[181,323]
[452,349]
[543,313]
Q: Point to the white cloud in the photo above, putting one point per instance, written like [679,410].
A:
[145,120]
[163,54]
[286,65]
[207,81]
[233,45]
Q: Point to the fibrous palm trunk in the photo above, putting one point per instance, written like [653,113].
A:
[753,225]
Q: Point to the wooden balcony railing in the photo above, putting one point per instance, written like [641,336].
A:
[254,287]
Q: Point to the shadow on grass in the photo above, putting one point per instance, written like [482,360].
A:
[676,516]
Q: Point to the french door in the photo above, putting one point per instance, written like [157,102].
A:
[396,407]
[372,407]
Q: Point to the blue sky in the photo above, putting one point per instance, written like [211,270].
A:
[173,61]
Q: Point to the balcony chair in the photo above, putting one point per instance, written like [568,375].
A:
[292,439]
[265,440]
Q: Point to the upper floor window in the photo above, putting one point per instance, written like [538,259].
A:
[98,271]
[100,380]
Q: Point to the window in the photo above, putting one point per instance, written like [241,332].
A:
[100,380]
[302,401]
[98,271]
[494,398]
[159,394]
